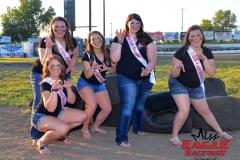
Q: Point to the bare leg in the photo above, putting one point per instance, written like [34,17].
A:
[202,108]
[54,129]
[183,104]
[105,105]
[88,96]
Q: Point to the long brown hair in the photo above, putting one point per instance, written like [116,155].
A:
[67,36]
[186,41]
[45,70]
[90,50]
[141,35]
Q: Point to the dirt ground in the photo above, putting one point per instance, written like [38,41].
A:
[15,142]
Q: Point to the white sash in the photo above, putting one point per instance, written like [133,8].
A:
[198,66]
[60,92]
[96,72]
[137,54]
[63,52]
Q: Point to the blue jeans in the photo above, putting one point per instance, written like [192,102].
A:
[133,95]
[36,78]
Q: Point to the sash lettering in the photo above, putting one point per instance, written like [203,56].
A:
[96,72]
[60,92]
[64,53]
[198,66]
[137,54]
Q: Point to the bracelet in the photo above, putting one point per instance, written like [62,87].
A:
[54,90]
[120,42]
[114,62]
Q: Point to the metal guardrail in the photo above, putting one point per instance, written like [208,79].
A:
[214,52]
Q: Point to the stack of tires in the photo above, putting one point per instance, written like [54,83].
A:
[159,114]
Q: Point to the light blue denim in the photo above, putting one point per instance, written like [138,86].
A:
[36,78]
[176,87]
[96,88]
[38,117]
[133,95]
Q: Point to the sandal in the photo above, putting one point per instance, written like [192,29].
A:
[65,140]
[98,130]
[175,141]
[86,134]
[43,149]
[226,136]
[125,145]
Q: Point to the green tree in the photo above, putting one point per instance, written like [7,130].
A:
[26,21]
[224,20]
[206,25]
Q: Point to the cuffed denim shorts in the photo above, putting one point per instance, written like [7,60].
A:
[178,88]
[38,117]
[96,88]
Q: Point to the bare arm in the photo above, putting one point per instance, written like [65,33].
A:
[209,66]
[50,99]
[45,52]
[88,69]
[115,51]
[152,59]
[177,65]
[74,61]
[71,97]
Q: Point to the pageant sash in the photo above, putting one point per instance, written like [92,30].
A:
[96,72]
[198,66]
[63,52]
[137,54]
[60,92]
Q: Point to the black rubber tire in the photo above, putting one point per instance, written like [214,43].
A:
[159,102]
[162,122]
[158,122]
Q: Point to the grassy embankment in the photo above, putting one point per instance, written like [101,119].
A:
[15,86]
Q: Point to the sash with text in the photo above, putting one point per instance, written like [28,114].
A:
[60,92]
[96,72]
[138,55]
[198,66]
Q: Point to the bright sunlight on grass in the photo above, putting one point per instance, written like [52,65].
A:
[15,87]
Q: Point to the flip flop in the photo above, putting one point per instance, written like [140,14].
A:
[65,140]
[98,130]
[43,149]
[86,135]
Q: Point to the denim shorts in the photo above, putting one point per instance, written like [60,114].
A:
[96,88]
[178,88]
[38,117]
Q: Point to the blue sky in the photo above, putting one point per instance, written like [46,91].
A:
[157,15]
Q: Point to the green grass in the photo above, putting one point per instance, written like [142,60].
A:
[15,87]
[17,60]
[20,60]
